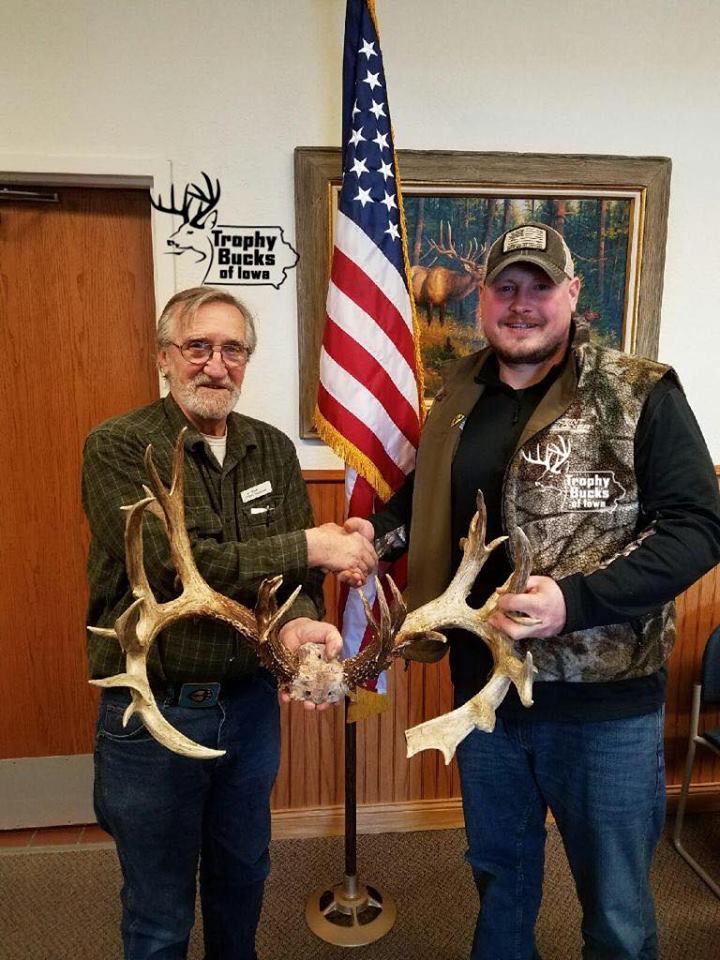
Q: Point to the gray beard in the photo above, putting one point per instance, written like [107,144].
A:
[210,404]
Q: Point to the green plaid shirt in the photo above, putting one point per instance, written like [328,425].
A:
[235,546]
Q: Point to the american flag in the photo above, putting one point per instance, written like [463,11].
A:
[369,397]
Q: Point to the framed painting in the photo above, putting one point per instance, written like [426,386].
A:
[612,212]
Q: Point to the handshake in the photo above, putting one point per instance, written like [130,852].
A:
[346,551]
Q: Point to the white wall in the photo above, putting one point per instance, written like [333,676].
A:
[232,86]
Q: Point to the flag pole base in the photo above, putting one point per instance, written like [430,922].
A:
[350,914]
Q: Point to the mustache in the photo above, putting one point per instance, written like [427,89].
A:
[203,380]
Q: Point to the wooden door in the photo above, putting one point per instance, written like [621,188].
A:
[76,346]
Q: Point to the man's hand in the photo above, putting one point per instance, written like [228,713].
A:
[365,529]
[542,600]
[333,548]
[360,525]
[304,630]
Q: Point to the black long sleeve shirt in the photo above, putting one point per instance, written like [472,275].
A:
[678,494]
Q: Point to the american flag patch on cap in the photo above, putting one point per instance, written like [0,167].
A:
[525,238]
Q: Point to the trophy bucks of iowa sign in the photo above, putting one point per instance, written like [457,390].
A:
[231,254]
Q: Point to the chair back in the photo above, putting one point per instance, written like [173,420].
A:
[710,674]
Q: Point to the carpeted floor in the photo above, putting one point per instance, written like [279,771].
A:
[64,905]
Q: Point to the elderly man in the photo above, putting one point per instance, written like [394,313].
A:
[248,517]
[596,455]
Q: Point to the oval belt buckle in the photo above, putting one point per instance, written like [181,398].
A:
[200,695]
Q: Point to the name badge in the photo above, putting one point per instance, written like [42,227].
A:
[259,490]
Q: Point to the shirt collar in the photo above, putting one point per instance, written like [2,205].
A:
[241,434]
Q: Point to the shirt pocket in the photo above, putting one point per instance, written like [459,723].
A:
[262,516]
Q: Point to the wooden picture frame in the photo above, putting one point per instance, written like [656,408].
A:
[645,181]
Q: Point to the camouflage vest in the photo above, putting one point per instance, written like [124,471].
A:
[571,486]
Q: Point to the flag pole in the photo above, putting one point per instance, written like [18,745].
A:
[350,801]
[369,405]
[350,914]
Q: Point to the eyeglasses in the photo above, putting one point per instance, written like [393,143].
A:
[201,351]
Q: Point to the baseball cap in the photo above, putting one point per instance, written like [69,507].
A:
[531,243]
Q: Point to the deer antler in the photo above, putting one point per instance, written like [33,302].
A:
[395,632]
[137,628]
[382,649]
[450,609]
[208,199]
[556,455]
[173,207]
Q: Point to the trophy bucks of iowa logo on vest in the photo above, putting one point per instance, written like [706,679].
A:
[583,491]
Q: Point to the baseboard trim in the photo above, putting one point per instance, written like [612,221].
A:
[703,797]
[429,815]
[371,818]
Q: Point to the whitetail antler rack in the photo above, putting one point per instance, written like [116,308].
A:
[137,628]
[450,609]
[396,631]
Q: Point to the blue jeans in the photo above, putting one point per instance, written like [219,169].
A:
[605,784]
[166,812]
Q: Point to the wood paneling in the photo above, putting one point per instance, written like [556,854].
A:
[77,320]
[698,614]
[312,763]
